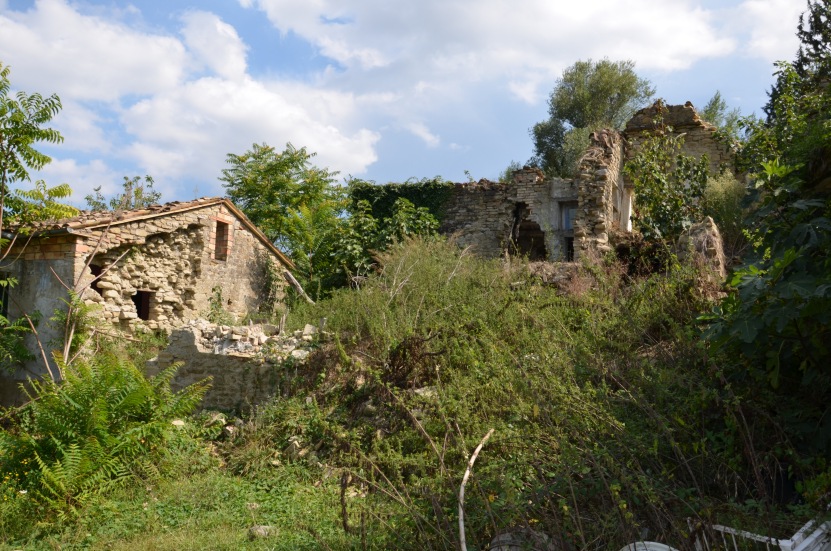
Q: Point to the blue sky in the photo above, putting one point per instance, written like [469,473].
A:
[379,90]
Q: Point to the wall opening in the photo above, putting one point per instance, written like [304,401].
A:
[4,294]
[142,301]
[96,271]
[527,237]
[221,242]
[568,212]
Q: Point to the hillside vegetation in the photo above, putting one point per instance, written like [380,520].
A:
[609,422]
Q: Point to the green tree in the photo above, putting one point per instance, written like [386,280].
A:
[775,323]
[589,95]
[136,195]
[295,203]
[22,120]
[716,113]
[271,186]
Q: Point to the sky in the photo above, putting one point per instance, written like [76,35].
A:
[379,90]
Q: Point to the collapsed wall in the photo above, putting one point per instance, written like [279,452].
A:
[554,219]
[246,364]
[561,219]
[162,272]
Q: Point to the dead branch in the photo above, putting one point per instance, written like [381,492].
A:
[462,542]
[297,287]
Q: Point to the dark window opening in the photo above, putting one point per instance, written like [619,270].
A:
[569,249]
[4,295]
[96,272]
[142,301]
[527,236]
[221,243]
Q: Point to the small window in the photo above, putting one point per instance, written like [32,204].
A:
[568,213]
[96,271]
[221,243]
[142,301]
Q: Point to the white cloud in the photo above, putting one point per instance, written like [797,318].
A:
[191,130]
[772,25]
[81,128]
[215,44]
[81,177]
[522,45]
[53,47]
[420,130]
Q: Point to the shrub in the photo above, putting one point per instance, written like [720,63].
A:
[95,429]
[723,201]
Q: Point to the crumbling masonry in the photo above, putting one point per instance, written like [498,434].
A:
[148,269]
[559,219]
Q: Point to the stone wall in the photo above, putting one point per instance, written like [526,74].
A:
[699,135]
[174,263]
[246,364]
[602,195]
[560,219]
[540,218]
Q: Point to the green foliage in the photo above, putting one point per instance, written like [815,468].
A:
[669,186]
[507,175]
[715,112]
[271,187]
[216,309]
[439,346]
[13,349]
[589,95]
[80,437]
[136,195]
[724,200]
[429,193]
[773,328]
[21,126]
[295,203]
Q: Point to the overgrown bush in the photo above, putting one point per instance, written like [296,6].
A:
[606,420]
[723,200]
[103,424]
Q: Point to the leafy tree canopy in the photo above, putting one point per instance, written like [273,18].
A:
[136,195]
[22,120]
[716,113]
[271,186]
[589,95]
[776,322]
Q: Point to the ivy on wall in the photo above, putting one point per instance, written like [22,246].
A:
[430,193]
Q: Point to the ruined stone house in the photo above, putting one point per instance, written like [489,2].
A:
[147,269]
[558,219]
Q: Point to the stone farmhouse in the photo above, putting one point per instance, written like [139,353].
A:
[558,219]
[147,269]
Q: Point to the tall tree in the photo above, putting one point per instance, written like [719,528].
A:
[777,322]
[589,95]
[294,202]
[22,120]
[716,112]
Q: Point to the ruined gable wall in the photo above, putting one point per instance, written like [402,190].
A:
[699,135]
[600,191]
[174,260]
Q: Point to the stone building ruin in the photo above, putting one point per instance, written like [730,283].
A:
[148,269]
[559,219]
